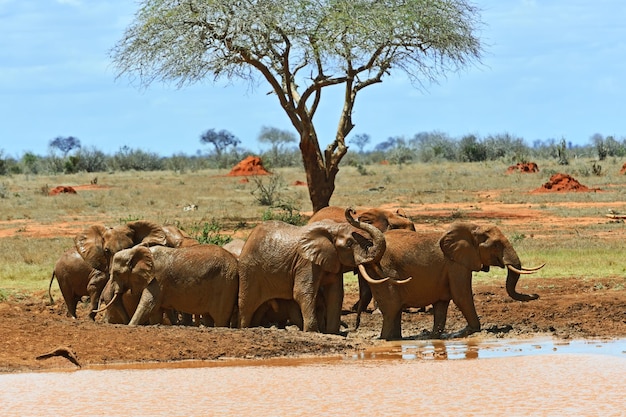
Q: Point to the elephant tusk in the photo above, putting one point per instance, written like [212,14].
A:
[520,271]
[106,306]
[537,268]
[381,281]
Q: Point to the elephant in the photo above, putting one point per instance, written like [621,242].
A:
[235,246]
[200,279]
[130,302]
[76,279]
[97,244]
[383,219]
[419,269]
[282,261]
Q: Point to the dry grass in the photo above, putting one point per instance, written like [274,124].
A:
[579,250]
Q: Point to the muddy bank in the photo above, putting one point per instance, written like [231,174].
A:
[568,309]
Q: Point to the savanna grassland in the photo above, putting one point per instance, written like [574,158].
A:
[579,235]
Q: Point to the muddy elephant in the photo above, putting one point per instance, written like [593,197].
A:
[97,244]
[419,269]
[198,279]
[282,261]
[235,246]
[383,219]
[76,279]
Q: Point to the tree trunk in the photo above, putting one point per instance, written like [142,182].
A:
[321,170]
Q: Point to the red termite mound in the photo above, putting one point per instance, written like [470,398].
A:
[528,167]
[252,165]
[623,170]
[62,189]
[562,183]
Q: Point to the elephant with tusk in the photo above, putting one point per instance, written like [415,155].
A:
[286,262]
[419,269]
[199,279]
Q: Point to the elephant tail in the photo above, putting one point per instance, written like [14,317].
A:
[50,288]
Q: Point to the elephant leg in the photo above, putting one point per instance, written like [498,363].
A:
[187,319]
[207,321]
[72,302]
[95,286]
[258,318]
[150,299]
[307,301]
[365,295]
[333,300]
[392,324]
[440,314]
[463,297]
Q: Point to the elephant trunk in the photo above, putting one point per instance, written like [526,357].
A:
[514,268]
[373,253]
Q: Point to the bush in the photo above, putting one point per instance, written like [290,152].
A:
[210,233]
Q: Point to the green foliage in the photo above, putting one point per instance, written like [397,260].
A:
[129,218]
[210,233]
[561,152]
[471,150]
[517,237]
[362,170]
[268,194]
[136,159]
[278,139]
[286,213]
[596,169]
[65,144]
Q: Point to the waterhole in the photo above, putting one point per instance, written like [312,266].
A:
[448,378]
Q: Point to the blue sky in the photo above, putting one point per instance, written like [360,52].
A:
[551,69]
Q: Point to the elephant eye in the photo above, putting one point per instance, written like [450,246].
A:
[350,243]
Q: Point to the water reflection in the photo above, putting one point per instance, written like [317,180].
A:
[475,349]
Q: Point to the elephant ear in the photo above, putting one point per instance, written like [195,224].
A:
[90,245]
[459,245]
[400,212]
[376,219]
[317,245]
[141,264]
[174,237]
[147,233]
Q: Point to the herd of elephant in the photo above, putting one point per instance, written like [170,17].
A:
[141,272]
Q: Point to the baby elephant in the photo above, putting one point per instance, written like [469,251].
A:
[200,279]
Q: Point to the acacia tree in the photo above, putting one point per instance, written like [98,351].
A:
[277,138]
[301,47]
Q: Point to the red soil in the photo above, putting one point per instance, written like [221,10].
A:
[528,167]
[562,183]
[252,165]
[62,189]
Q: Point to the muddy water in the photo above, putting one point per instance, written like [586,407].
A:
[537,378]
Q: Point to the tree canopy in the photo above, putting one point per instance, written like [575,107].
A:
[300,47]
[65,144]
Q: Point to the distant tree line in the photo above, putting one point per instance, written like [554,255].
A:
[66,155]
